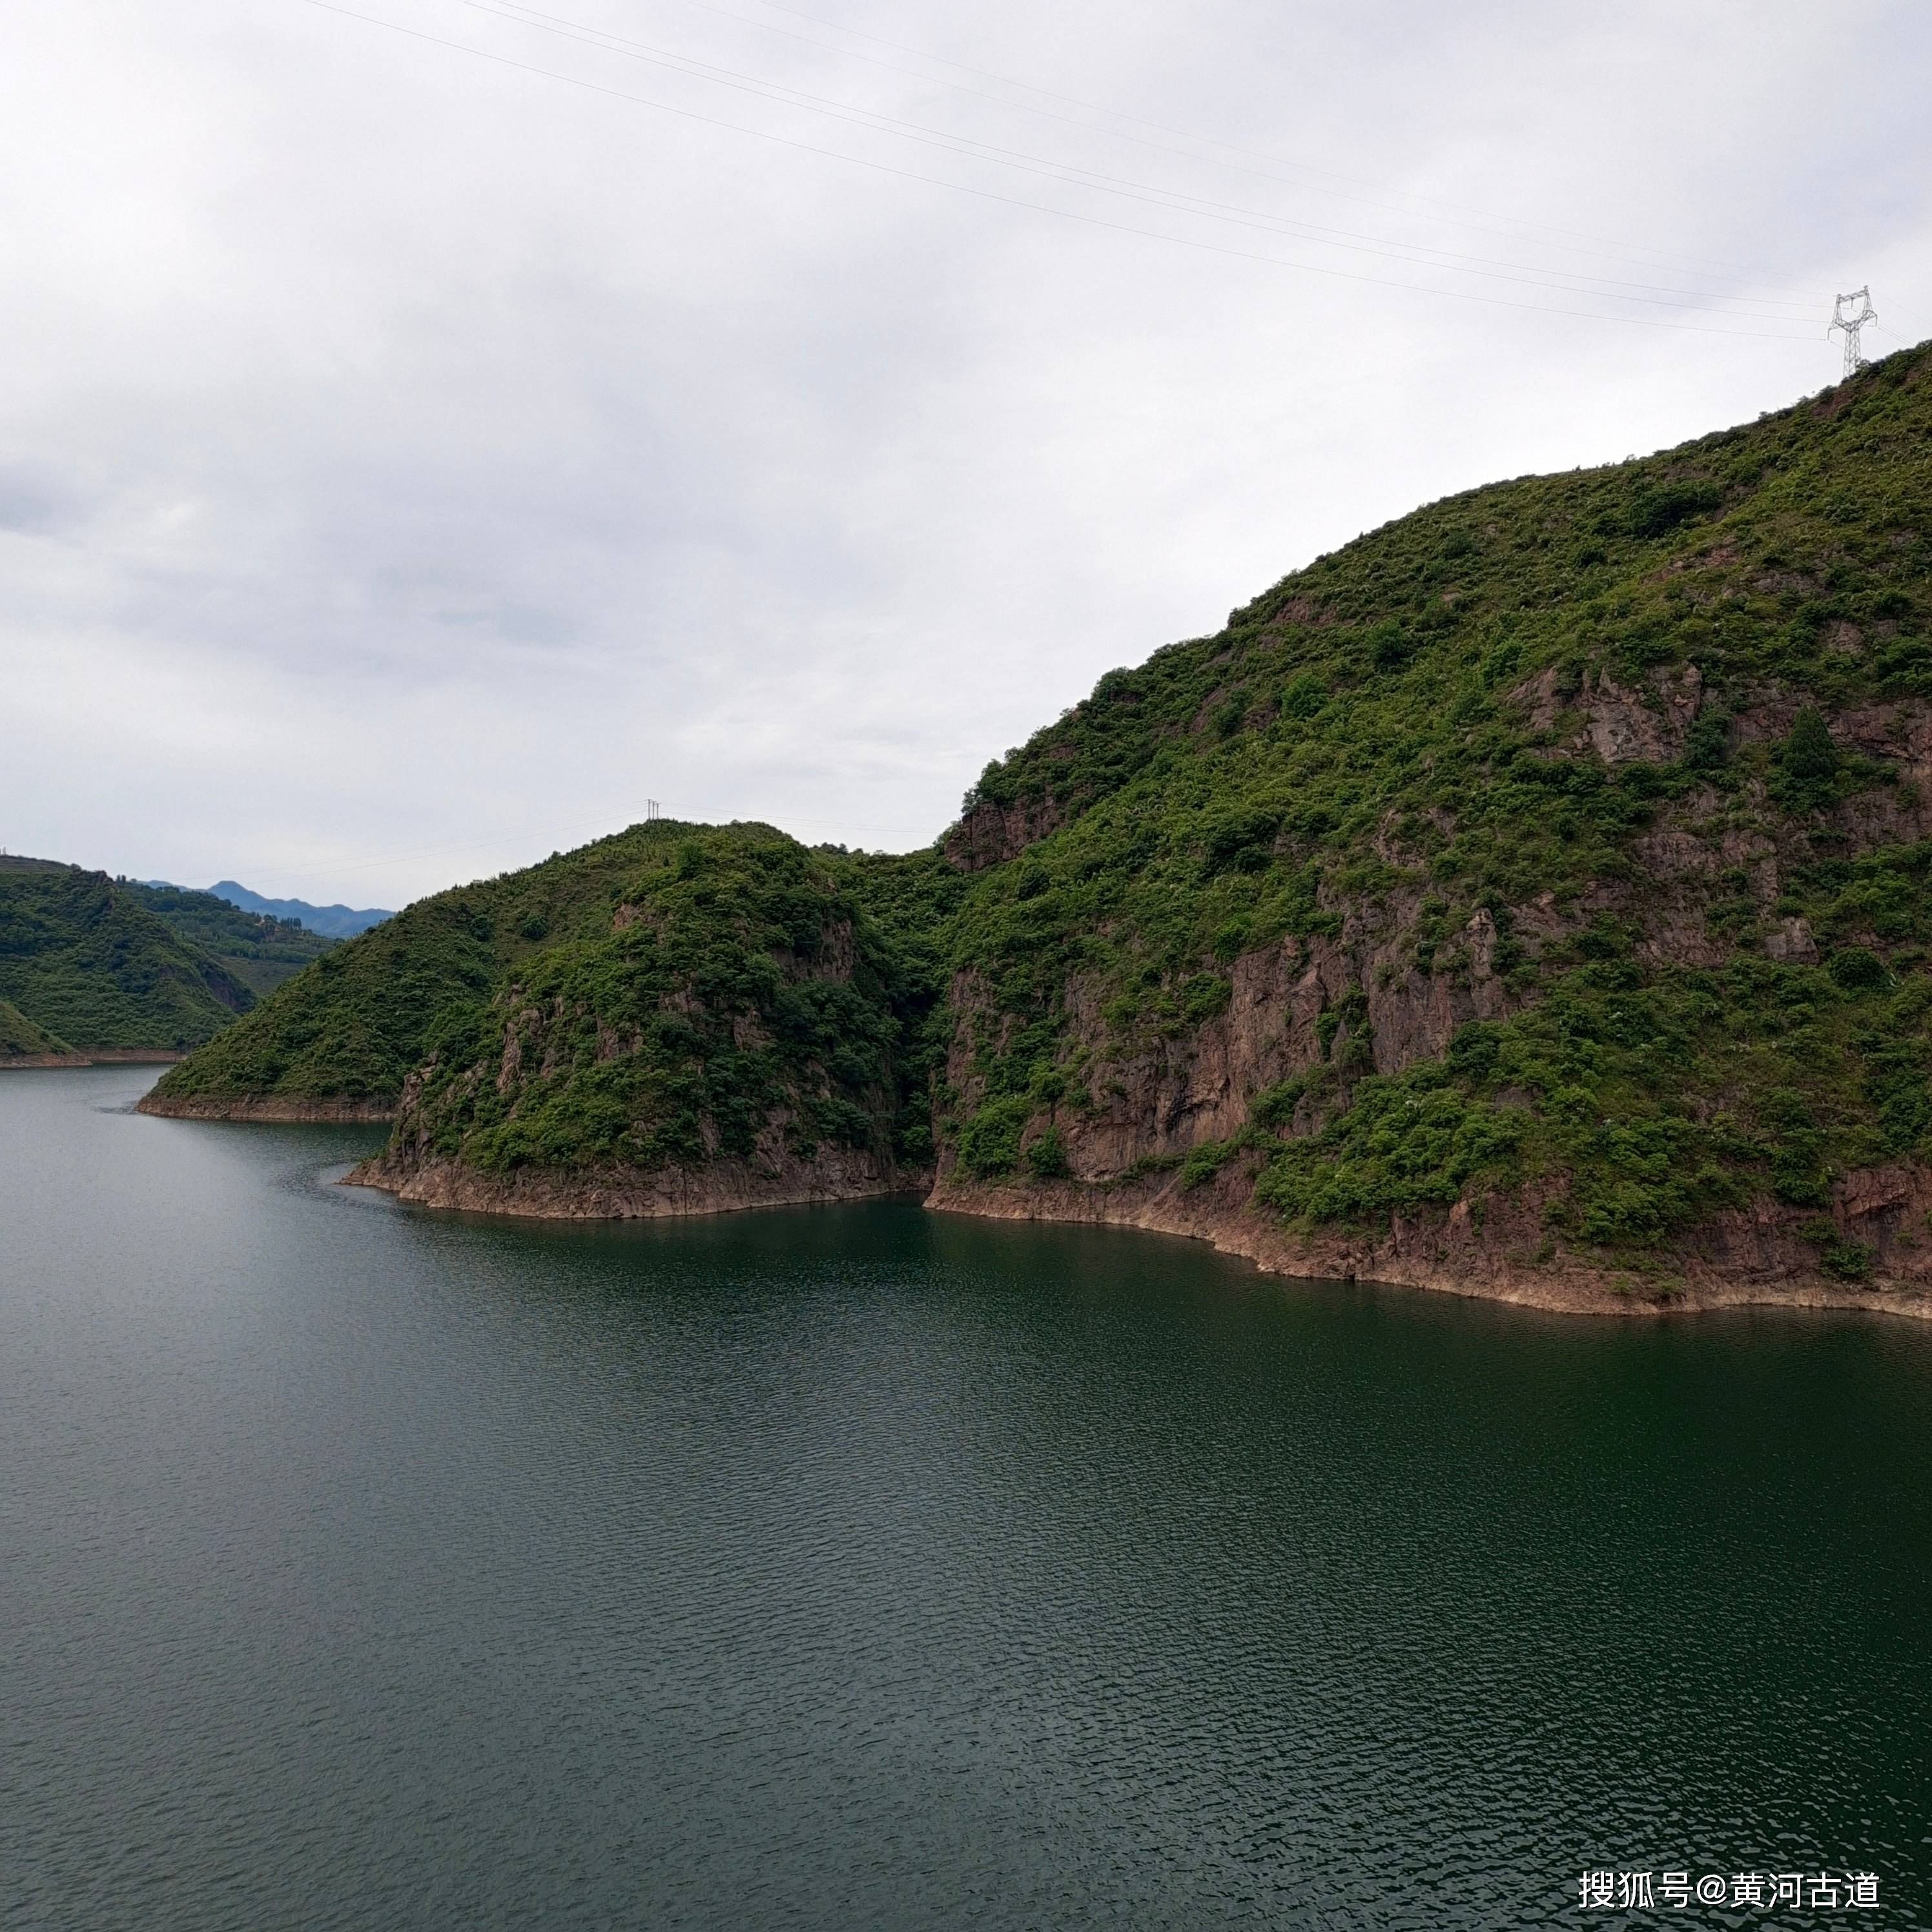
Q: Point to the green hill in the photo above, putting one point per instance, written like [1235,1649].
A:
[673,995]
[20,1038]
[353,1025]
[83,958]
[259,949]
[1537,881]
[1582,817]
[738,1003]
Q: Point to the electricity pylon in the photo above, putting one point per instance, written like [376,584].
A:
[1855,356]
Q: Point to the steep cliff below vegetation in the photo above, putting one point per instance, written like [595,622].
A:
[1529,898]
[1549,866]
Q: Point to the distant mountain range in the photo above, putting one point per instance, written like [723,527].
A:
[333,922]
[92,965]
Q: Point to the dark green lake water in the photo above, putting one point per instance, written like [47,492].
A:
[863,1567]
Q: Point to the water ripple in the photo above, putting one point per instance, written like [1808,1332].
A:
[862,1568]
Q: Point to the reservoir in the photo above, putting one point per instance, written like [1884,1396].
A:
[861,1567]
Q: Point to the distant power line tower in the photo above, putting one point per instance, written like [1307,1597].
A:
[651,810]
[1855,356]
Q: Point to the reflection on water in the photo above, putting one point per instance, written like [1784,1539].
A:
[860,1566]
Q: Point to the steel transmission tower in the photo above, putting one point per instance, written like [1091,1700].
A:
[1855,356]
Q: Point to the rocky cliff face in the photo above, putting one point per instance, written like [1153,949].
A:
[1542,885]
[1647,721]
[1495,1247]
[1534,897]
[1343,1007]
[785,1165]
[1306,1020]
[990,834]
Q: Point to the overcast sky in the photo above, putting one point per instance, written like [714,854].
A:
[410,462]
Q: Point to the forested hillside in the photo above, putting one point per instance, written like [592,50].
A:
[83,958]
[20,1038]
[737,1006]
[1569,833]
[1537,883]
[354,1026]
[260,950]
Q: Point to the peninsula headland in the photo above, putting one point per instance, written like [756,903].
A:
[1528,899]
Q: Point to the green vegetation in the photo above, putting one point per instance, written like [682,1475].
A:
[353,1024]
[20,1037]
[1389,742]
[739,1000]
[112,963]
[260,951]
[1622,759]
[444,975]
[83,958]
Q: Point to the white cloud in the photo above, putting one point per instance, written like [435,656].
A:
[409,463]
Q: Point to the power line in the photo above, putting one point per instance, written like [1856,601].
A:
[1606,251]
[1073,175]
[1096,107]
[1042,208]
[1843,317]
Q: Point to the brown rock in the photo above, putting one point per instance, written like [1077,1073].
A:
[991,834]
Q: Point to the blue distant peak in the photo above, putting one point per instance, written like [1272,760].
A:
[335,922]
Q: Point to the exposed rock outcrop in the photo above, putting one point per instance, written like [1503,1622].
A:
[1622,723]
[1342,1007]
[1497,1249]
[270,1108]
[990,834]
[627,1194]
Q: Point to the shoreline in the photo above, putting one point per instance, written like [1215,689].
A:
[1414,1254]
[672,1193]
[268,1109]
[96,1056]
[1493,1251]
